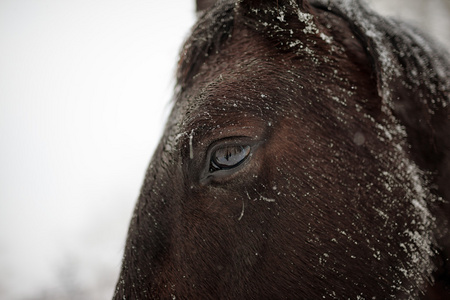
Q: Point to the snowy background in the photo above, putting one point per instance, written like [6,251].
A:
[84,92]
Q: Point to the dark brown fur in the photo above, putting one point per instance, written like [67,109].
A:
[345,194]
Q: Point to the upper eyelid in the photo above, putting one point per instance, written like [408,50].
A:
[229,141]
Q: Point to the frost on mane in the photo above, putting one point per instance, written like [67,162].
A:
[400,51]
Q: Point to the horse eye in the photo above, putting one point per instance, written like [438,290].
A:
[229,157]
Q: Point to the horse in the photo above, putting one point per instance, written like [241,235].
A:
[307,156]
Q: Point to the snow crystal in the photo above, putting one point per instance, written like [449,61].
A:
[295,43]
[326,38]
[242,212]
[191,150]
[267,199]
[281,16]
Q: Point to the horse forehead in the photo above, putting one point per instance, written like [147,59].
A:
[233,81]
[239,61]
[225,106]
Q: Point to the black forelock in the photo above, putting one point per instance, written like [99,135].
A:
[212,29]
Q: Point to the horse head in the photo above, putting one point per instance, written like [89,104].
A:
[307,156]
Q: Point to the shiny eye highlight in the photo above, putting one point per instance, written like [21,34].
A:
[226,158]
[229,157]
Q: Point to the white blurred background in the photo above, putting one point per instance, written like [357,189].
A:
[84,92]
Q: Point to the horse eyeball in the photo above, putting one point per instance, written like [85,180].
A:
[229,157]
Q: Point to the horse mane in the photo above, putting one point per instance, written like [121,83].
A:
[413,80]
[397,48]
[213,28]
